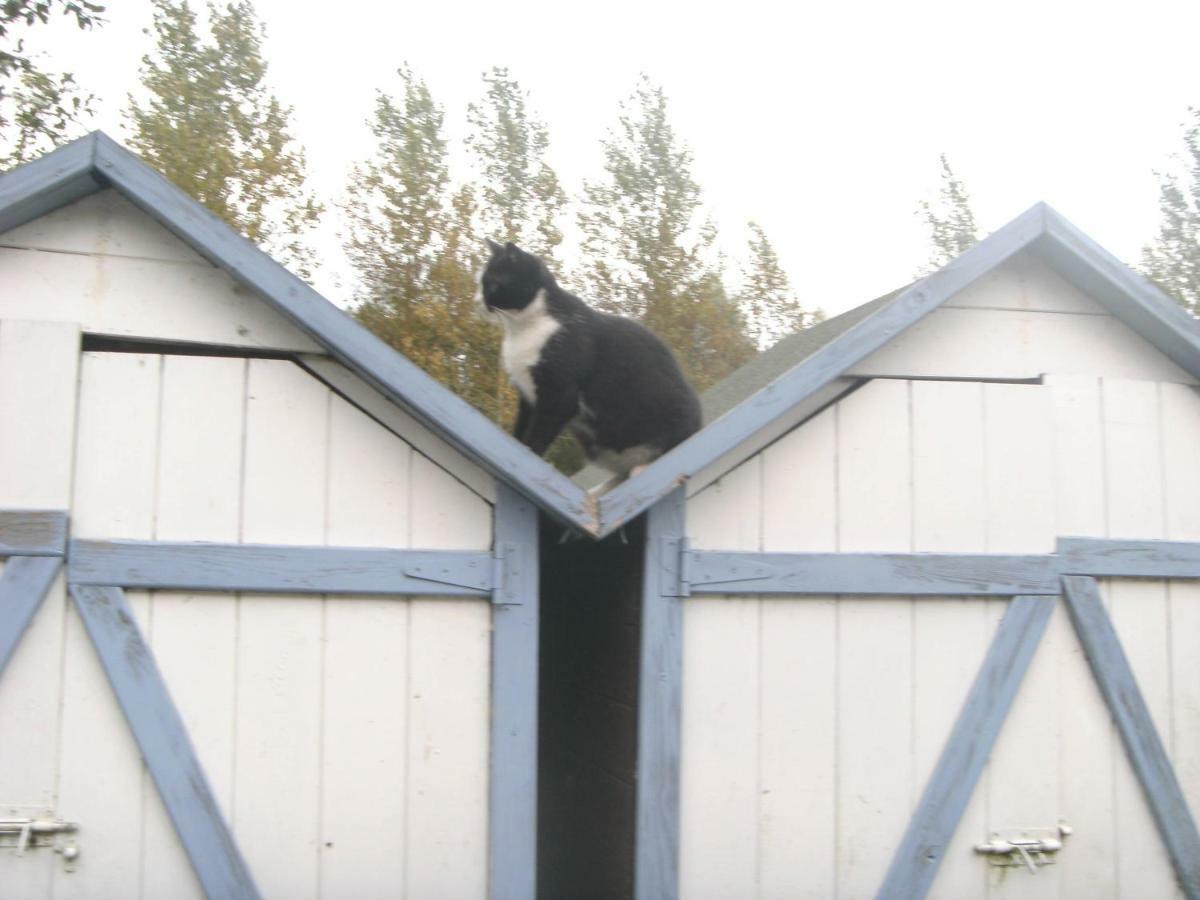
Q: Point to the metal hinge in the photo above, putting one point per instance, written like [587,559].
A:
[683,569]
[508,574]
[26,828]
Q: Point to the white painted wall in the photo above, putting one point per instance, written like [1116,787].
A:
[811,724]
[346,738]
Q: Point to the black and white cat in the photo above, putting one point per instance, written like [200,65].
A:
[610,379]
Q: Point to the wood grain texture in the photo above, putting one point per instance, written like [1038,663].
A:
[24,582]
[32,532]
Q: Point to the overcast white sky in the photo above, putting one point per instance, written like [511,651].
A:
[821,122]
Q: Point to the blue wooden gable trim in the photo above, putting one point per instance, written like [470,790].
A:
[1117,683]
[163,741]
[96,161]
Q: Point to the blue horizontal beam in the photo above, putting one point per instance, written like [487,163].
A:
[280,569]
[1114,676]
[967,750]
[32,532]
[23,585]
[869,573]
[163,741]
[1129,559]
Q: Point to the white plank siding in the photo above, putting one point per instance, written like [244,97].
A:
[1021,321]
[833,710]
[345,738]
[105,266]
[38,377]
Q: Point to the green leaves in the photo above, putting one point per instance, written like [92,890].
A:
[213,127]
[951,222]
[1173,259]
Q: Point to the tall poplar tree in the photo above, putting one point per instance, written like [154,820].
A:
[950,221]
[414,247]
[520,198]
[1173,259]
[39,109]
[649,251]
[212,126]
[767,301]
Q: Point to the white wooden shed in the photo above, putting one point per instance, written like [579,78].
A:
[292,586]
[280,616]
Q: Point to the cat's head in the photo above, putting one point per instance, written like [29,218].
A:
[511,279]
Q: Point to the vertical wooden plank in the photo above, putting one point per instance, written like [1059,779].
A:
[1144,746]
[277,768]
[448,679]
[114,486]
[876,791]
[512,799]
[193,637]
[660,694]
[1180,406]
[39,367]
[719,777]
[950,635]
[1022,789]
[797,735]
[1086,745]
[1139,609]
[363,760]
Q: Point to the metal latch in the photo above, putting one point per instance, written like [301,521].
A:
[1029,847]
[23,829]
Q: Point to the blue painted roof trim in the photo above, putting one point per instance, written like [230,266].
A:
[1041,230]
[96,162]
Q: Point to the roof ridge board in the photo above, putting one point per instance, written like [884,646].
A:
[396,377]
[61,176]
[814,372]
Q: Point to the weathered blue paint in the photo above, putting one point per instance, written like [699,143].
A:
[46,184]
[967,749]
[33,532]
[163,741]
[1117,684]
[512,862]
[23,585]
[1103,557]
[933,574]
[1128,295]
[660,695]
[280,569]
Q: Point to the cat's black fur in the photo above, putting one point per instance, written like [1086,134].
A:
[612,380]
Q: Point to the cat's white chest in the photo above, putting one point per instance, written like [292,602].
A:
[525,335]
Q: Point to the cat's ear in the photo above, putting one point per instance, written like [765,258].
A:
[511,249]
[493,246]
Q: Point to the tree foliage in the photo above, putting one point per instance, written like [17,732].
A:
[520,198]
[1173,259]
[38,109]
[413,244]
[950,221]
[650,252]
[212,126]
[767,301]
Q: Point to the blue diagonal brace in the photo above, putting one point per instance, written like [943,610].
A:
[970,743]
[23,586]
[1117,684]
[163,741]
